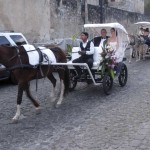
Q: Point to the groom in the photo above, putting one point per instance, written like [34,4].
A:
[99,41]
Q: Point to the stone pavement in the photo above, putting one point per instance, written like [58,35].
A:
[87,120]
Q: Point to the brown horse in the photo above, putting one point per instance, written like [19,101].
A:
[16,60]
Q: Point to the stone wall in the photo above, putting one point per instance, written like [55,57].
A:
[128,5]
[46,20]
[66,18]
[42,20]
[29,17]
[116,15]
[93,2]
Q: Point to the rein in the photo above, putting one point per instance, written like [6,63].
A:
[16,55]
[21,66]
[11,58]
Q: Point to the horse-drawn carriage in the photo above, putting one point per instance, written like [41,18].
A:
[48,59]
[104,69]
[140,41]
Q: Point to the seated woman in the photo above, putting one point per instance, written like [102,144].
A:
[113,40]
[114,44]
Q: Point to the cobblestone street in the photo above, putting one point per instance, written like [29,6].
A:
[87,119]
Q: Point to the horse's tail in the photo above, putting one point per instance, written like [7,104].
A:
[66,80]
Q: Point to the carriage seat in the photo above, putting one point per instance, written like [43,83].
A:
[96,56]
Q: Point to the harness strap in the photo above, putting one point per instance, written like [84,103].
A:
[47,59]
[18,52]
[21,66]
[40,55]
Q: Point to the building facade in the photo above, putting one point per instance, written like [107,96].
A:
[45,20]
[128,5]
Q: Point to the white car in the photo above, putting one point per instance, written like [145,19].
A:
[10,39]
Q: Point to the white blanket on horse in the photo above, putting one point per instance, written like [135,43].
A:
[34,57]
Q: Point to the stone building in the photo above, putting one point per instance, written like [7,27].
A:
[45,20]
[128,5]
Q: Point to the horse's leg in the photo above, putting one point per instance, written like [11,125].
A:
[144,51]
[137,52]
[53,80]
[64,84]
[131,51]
[19,100]
[29,95]
[140,51]
[62,88]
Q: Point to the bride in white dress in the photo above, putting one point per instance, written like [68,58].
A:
[113,42]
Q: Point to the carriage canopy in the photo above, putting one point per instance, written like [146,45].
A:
[143,24]
[122,34]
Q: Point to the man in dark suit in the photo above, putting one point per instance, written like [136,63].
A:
[98,41]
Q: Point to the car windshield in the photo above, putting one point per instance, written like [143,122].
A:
[4,41]
[18,39]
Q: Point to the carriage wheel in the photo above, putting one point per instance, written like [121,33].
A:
[73,81]
[123,75]
[107,83]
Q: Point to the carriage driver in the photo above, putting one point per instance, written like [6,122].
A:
[87,51]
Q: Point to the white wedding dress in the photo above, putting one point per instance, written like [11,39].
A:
[117,51]
[113,45]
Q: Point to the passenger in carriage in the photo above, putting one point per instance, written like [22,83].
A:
[113,39]
[147,36]
[99,41]
[114,43]
[87,51]
[141,32]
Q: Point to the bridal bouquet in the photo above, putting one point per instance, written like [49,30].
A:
[108,60]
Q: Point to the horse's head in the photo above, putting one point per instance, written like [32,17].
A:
[6,52]
[9,55]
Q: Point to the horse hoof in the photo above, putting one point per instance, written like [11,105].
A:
[51,98]
[14,121]
[57,105]
[38,110]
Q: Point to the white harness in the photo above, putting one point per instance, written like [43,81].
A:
[34,57]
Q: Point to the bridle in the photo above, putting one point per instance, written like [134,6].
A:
[16,55]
